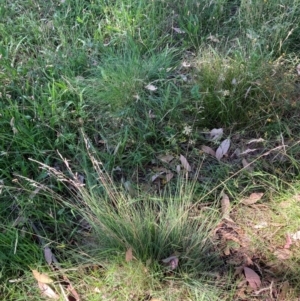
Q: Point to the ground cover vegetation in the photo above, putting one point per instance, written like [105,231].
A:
[149,150]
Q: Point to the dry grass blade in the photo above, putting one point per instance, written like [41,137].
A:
[106,181]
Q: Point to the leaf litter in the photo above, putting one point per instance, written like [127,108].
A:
[216,134]
[47,291]
[223,149]
[208,150]
[252,278]
[229,233]
[185,163]
[41,277]
[253,198]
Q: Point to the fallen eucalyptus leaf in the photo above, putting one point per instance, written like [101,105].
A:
[169,176]
[252,278]
[208,150]
[185,163]
[223,149]
[225,206]
[166,158]
[288,242]
[41,277]
[47,291]
[157,175]
[253,198]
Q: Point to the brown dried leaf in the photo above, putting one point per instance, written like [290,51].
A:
[47,291]
[247,260]
[288,242]
[165,158]
[253,198]
[252,278]
[157,175]
[238,271]
[225,206]
[208,150]
[226,251]
[185,163]
[284,291]
[169,176]
[128,255]
[223,149]
[229,236]
[43,278]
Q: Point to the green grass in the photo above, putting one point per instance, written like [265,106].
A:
[76,107]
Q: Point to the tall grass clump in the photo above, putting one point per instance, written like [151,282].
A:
[242,86]
[120,79]
[269,24]
[154,227]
